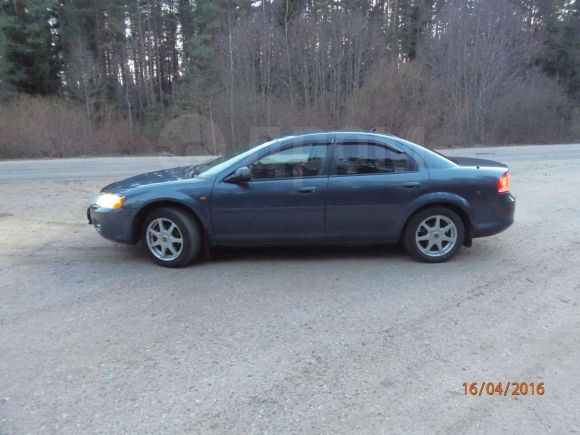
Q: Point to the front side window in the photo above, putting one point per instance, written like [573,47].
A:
[296,162]
[354,159]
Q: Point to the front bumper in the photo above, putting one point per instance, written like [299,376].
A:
[113,224]
[495,218]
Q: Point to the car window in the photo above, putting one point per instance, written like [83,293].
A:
[354,159]
[218,164]
[296,162]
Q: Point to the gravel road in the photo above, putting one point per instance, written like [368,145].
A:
[96,339]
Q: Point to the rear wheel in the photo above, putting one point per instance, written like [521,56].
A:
[434,235]
[171,237]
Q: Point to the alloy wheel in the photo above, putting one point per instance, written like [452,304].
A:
[164,239]
[436,235]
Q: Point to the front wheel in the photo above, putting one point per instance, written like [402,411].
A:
[434,235]
[171,237]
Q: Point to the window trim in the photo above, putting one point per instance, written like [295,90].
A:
[333,166]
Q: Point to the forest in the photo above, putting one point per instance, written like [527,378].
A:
[105,77]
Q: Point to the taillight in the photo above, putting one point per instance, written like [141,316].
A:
[503,183]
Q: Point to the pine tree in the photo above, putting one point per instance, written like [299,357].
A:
[562,45]
[31,47]
[415,17]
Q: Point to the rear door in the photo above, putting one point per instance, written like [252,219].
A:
[369,187]
[283,202]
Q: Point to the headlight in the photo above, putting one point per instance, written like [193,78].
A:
[110,200]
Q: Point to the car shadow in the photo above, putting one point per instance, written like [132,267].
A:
[299,253]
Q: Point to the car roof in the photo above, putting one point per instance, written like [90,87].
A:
[338,134]
[364,134]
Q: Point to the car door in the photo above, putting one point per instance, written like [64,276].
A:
[283,202]
[369,186]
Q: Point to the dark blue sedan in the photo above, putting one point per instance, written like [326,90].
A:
[326,188]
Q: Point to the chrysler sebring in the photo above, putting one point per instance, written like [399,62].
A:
[322,188]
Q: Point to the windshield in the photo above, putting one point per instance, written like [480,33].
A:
[215,165]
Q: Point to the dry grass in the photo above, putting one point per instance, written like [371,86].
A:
[404,101]
[52,127]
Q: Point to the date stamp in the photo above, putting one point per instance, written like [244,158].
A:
[509,388]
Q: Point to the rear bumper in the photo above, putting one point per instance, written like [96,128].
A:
[496,218]
[115,225]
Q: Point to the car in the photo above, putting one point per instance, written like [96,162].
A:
[323,188]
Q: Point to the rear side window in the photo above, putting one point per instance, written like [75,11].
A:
[355,159]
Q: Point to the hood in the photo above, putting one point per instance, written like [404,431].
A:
[156,177]
[482,163]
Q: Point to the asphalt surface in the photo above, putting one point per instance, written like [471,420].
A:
[115,167]
[96,339]
[88,168]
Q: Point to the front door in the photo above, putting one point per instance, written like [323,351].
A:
[282,203]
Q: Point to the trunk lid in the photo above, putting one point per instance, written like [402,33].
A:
[482,163]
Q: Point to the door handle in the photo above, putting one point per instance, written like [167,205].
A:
[310,189]
[411,185]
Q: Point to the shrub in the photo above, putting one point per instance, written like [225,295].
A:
[52,127]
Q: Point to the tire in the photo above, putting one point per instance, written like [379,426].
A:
[171,237]
[434,235]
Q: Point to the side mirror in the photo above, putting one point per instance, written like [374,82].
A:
[241,175]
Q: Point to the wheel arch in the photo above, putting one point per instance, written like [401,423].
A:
[149,207]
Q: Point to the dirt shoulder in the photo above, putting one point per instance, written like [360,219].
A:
[94,338]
